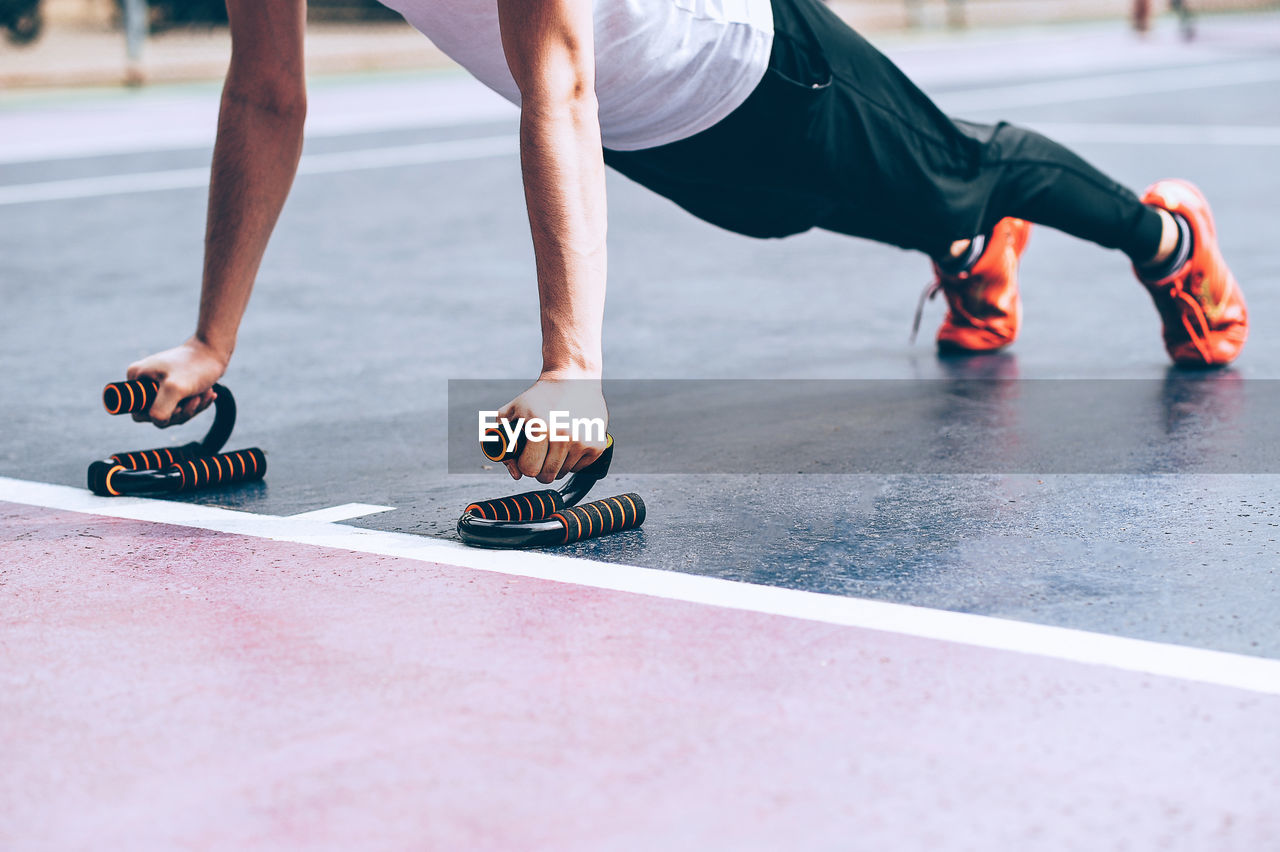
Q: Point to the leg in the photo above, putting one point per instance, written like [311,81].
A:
[1036,179]
[837,137]
[911,176]
[908,174]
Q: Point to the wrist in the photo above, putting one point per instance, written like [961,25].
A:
[211,346]
[568,360]
[570,372]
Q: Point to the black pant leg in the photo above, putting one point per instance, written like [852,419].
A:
[917,178]
[837,137]
[1042,181]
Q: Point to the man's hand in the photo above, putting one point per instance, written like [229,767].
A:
[186,375]
[550,460]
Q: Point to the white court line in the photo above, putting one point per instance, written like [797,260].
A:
[311,164]
[1162,134]
[494,146]
[1030,94]
[345,512]
[163,120]
[1254,674]
[1107,86]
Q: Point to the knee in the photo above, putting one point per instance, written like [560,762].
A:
[1014,142]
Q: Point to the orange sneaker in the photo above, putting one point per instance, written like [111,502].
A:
[1201,306]
[984,309]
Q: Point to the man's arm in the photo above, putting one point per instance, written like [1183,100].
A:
[549,45]
[254,162]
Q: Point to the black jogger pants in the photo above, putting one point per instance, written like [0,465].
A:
[836,137]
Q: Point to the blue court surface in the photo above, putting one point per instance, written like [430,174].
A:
[1128,612]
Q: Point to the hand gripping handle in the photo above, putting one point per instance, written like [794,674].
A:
[131,396]
[139,395]
[498,448]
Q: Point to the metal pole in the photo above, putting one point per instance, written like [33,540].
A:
[135,36]
[915,14]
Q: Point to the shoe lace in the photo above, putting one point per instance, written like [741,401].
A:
[1199,336]
[930,292]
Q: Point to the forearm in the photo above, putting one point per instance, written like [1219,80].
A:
[563,167]
[254,162]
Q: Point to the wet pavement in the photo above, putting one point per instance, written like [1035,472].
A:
[382,284]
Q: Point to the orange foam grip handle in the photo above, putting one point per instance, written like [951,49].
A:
[601,517]
[154,459]
[530,506]
[496,447]
[222,469]
[128,397]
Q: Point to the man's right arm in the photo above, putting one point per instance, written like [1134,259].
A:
[254,162]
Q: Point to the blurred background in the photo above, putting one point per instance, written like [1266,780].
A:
[83,42]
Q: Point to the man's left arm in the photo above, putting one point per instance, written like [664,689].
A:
[549,45]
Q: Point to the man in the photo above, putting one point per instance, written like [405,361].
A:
[766,117]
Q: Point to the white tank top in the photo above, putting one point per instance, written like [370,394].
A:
[665,69]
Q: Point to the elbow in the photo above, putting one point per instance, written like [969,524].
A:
[286,100]
[565,91]
[576,103]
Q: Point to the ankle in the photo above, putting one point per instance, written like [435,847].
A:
[1176,243]
[1169,231]
[963,255]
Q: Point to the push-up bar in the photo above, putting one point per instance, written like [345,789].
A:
[198,464]
[551,517]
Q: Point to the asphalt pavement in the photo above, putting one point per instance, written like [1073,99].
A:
[411,266]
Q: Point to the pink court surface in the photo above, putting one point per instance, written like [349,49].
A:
[234,681]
